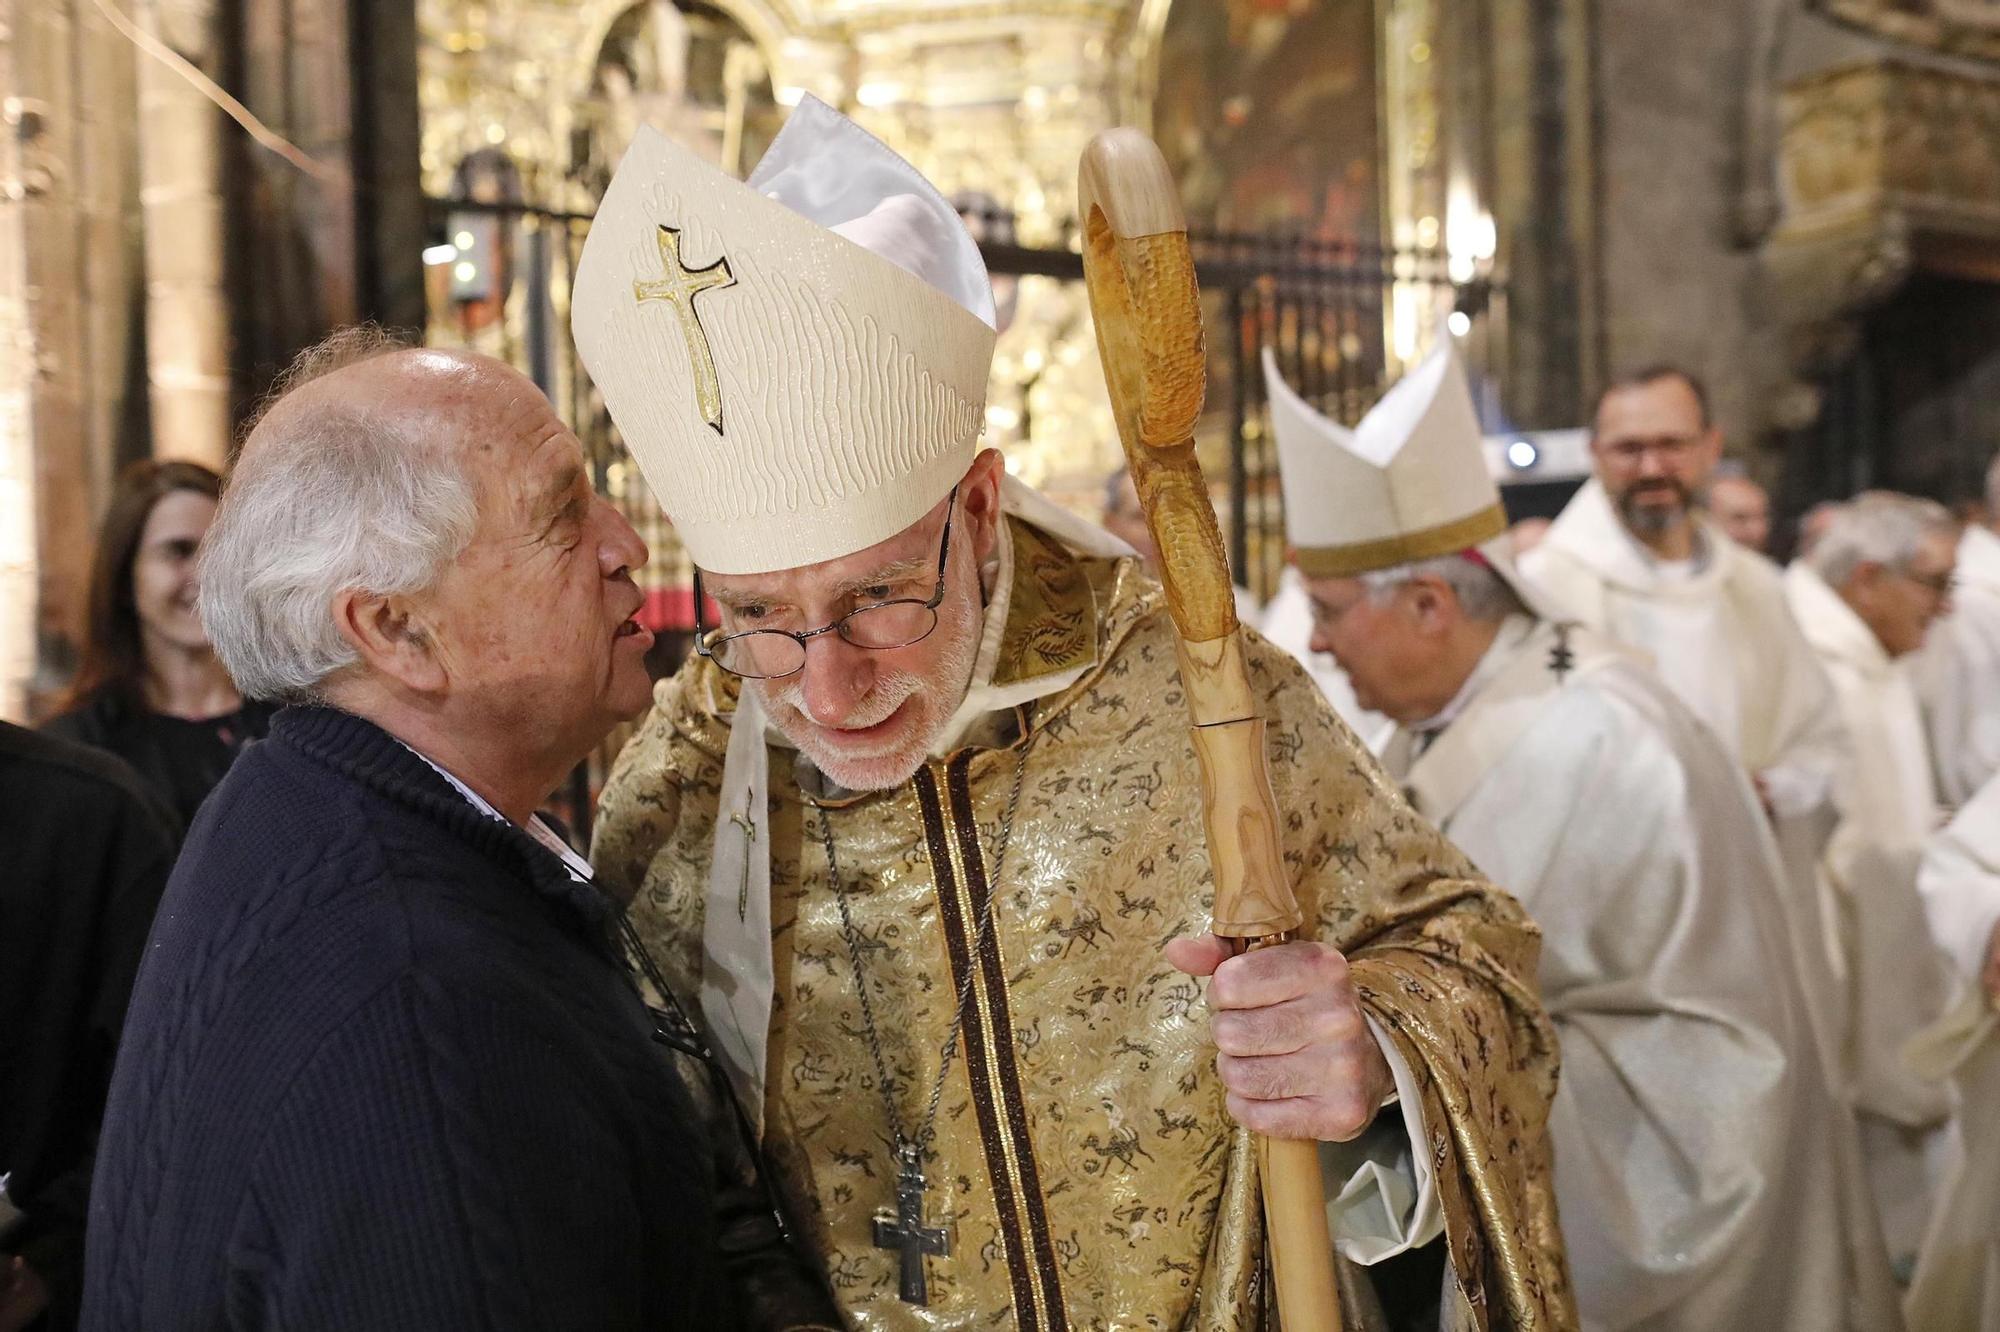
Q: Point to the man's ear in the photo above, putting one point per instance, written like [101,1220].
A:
[1433,602]
[390,639]
[1863,581]
[1711,448]
[979,501]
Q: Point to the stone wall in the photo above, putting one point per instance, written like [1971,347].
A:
[1764,179]
[1679,281]
[81,301]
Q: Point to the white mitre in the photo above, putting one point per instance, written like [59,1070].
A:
[1408,483]
[798,364]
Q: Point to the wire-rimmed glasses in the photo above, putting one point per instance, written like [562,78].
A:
[772,654]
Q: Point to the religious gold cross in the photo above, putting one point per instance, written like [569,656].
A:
[678,287]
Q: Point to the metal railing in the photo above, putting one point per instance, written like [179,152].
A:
[502,273]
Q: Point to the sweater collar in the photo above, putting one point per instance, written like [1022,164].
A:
[363,752]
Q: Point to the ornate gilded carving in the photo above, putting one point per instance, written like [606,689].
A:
[1962,27]
[997,96]
[1892,135]
[1885,166]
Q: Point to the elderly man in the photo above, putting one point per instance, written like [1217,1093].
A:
[1865,597]
[1642,854]
[1958,670]
[1740,507]
[384,1066]
[919,821]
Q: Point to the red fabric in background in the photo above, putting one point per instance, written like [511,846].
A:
[671,610]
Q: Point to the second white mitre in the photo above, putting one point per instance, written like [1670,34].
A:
[1408,483]
[799,363]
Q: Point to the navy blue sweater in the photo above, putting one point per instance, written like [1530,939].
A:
[383,1069]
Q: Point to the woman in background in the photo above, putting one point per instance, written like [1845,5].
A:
[149,688]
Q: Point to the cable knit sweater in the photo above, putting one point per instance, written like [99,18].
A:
[383,1069]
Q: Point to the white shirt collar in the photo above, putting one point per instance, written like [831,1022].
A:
[578,867]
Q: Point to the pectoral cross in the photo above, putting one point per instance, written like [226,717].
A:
[1562,659]
[905,1232]
[749,845]
[678,287]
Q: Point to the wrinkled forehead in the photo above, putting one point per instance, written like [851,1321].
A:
[1335,594]
[913,548]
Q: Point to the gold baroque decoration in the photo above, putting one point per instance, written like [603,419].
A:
[1959,27]
[1891,134]
[517,75]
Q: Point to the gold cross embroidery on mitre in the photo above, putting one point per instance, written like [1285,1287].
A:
[678,287]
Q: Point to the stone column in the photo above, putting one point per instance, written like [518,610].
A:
[48,502]
[187,305]
[20,127]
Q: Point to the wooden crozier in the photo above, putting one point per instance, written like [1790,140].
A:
[1140,274]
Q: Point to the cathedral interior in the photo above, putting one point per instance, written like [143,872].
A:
[1800,199]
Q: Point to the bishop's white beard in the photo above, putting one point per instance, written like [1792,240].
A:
[937,696]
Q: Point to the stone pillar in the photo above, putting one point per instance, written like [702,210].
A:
[1544,201]
[72,394]
[20,129]
[187,306]
[43,438]
[309,253]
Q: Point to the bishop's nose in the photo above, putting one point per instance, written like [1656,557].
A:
[836,678]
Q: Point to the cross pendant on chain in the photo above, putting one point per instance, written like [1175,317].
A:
[905,1232]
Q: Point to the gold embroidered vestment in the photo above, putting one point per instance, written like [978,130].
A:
[1084,1159]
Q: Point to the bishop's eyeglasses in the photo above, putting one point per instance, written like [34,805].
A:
[771,654]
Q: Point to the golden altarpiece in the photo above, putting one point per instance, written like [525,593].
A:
[1325,113]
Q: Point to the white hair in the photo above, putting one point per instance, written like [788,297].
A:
[1877,527]
[326,497]
[1482,594]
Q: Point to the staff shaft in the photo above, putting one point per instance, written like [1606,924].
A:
[1140,275]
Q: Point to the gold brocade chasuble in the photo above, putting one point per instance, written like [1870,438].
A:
[1084,1160]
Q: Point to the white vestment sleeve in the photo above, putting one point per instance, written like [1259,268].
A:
[1960,882]
[1801,780]
[1381,1199]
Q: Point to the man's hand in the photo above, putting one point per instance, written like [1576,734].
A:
[1293,1047]
[23,1297]
[1990,977]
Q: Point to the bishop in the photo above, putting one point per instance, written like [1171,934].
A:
[974,940]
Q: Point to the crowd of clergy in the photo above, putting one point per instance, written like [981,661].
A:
[1755,811]
[1653,890]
